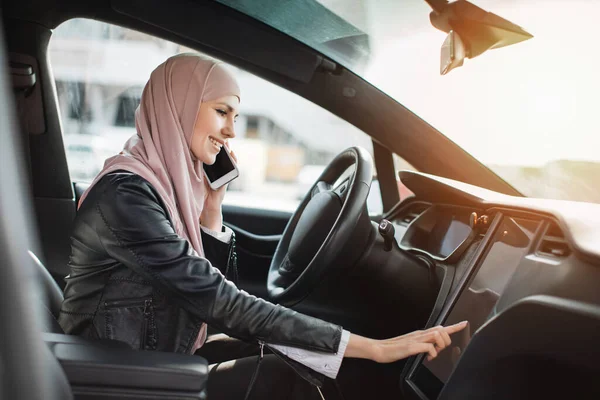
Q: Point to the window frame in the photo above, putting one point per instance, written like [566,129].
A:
[123,96]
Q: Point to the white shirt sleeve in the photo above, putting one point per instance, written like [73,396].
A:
[222,236]
[325,363]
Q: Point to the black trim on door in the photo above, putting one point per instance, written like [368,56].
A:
[256,221]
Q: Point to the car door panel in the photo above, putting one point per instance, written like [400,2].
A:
[256,245]
[256,221]
[256,242]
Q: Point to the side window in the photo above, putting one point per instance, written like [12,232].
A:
[283,142]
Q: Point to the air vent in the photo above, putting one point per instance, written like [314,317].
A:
[412,212]
[553,242]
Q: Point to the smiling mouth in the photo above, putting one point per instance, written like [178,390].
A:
[217,144]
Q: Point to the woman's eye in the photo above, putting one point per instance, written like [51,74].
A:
[222,112]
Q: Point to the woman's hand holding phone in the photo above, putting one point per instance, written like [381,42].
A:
[212,217]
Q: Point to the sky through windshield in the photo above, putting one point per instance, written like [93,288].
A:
[528,111]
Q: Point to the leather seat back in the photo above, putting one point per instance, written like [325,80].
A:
[50,296]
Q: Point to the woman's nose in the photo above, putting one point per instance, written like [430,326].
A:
[229,130]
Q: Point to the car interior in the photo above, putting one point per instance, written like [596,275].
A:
[465,245]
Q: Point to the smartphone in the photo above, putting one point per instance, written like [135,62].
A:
[222,171]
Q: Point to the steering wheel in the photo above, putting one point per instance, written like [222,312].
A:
[316,237]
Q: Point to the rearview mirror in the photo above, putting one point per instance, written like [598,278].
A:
[471,31]
[453,53]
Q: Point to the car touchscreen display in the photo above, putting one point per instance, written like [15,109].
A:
[478,299]
[439,231]
[452,231]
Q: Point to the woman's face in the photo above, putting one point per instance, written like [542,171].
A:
[214,126]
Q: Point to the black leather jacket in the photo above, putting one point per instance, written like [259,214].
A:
[134,279]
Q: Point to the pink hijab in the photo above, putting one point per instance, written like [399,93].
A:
[165,120]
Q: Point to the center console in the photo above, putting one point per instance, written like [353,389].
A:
[507,241]
[99,370]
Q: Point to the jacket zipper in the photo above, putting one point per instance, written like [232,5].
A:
[262,349]
[231,268]
[144,332]
[130,303]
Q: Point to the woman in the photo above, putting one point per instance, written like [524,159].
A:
[138,272]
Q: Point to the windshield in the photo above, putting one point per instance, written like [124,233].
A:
[527,111]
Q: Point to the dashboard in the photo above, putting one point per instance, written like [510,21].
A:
[441,232]
[510,266]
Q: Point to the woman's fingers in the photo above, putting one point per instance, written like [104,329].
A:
[435,337]
[430,341]
[456,327]
[231,151]
[418,348]
[428,348]
[446,337]
[432,353]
